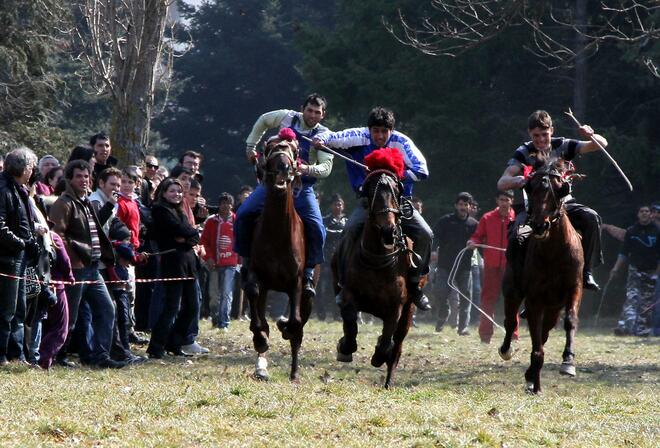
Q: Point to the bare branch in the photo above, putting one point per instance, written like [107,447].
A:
[452,27]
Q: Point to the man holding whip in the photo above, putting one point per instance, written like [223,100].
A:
[543,144]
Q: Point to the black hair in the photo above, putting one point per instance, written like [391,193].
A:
[76,165]
[317,100]
[51,173]
[379,116]
[100,136]
[81,153]
[507,193]
[194,184]
[226,197]
[193,154]
[465,197]
[178,170]
[336,197]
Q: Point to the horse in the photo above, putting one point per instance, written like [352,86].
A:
[373,276]
[549,278]
[278,257]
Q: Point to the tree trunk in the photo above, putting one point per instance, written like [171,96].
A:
[133,92]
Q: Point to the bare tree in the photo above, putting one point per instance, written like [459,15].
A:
[455,26]
[127,48]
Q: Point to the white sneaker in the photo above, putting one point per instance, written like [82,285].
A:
[194,349]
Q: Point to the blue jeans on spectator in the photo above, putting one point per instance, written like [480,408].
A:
[225,294]
[12,308]
[193,330]
[96,314]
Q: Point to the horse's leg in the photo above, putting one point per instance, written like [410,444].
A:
[512,300]
[297,337]
[260,332]
[347,345]
[570,326]
[399,335]
[533,373]
[385,343]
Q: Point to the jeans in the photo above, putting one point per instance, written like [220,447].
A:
[12,308]
[452,308]
[225,294]
[190,336]
[93,313]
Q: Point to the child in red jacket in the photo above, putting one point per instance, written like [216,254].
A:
[218,241]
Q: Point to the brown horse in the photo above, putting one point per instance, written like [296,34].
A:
[278,257]
[550,279]
[373,277]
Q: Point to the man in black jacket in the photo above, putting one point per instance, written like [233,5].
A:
[451,232]
[18,246]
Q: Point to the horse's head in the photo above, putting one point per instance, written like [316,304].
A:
[280,163]
[545,189]
[382,191]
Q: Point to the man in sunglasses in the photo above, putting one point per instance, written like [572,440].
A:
[148,183]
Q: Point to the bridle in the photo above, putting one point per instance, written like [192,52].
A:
[545,179]
[388,180]
[288,149]
[385,180]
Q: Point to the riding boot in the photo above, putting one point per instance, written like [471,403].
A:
[308,283]
[588,281]
[417,295]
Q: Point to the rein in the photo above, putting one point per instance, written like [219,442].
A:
[281,149]
[384,175]
[374,260]
[559,203]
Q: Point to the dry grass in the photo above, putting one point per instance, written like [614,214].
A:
[450,391]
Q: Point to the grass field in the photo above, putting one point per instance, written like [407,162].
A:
[450,391]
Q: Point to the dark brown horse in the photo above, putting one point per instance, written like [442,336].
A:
[550,279]
[373,277]
[278,257]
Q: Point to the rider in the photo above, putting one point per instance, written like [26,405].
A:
[583,218]
[312,164]
[360,142]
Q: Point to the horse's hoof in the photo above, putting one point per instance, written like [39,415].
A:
[343,357]
[567,369]
[529,387]
[282,326]
[377,360]
[507,355]
[261,375]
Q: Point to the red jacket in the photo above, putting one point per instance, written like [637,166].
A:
[129,213]
[218,241]
[492,231]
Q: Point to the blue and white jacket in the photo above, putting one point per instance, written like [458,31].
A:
[357,142]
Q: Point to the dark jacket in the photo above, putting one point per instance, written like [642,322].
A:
[451,235]
[16,223]
[69,216]
[169,223]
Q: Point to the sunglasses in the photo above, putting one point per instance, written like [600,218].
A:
[149,165]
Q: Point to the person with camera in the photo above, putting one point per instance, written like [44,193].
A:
[18,248]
